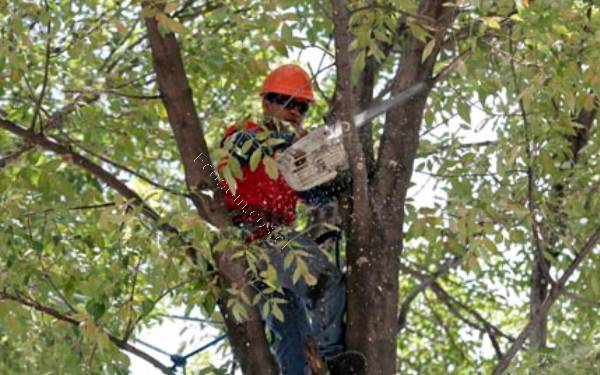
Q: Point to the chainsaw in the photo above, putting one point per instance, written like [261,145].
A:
[319,156]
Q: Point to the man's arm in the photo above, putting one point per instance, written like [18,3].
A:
[323,194]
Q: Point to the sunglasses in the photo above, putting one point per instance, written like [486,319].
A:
[288,102]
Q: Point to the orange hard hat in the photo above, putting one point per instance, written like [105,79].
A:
[289,80]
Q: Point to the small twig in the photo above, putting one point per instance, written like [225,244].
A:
[91,358]
[59,293]
[468,175]
[121,42]
[582,299]
[459,147]
[486,327]
[126,169]
[115,92]
[544,266]
[159,298]
[442,322]
[191,319]
[76,208]
[130,327]
[38,105]
[425,283]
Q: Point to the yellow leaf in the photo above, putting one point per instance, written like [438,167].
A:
[90,328]
[310,279]
[428,49]
[120,27]
[169,23]
[516,18]
[588,102]
[491,22]
[170,7]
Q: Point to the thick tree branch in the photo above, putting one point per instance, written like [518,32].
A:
[81,161]
[247,338]
[344,109]
[56,120]
[400,138]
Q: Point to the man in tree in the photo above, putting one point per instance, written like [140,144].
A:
[315,303]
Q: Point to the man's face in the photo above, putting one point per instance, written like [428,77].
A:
[284,108]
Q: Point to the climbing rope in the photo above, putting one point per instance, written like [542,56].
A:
[179,360]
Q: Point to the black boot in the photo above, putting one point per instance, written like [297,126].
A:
[349,362]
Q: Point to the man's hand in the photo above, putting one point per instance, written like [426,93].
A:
[300,132]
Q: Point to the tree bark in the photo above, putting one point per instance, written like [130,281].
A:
[247,338]
[375,240]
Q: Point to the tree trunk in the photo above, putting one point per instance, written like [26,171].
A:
[247,338]
[538,293]
[375,238]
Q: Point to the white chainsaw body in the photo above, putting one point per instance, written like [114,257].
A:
[314,159]
[319,156]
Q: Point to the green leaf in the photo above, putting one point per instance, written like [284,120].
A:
[277,313]
[275,141]
[359,65]
[595,284]
[149,11]
[271,167]
[222,245]
[297,274]
[95,308]
[418,32]
[517,236]
[228,176]
[588,102]
[255,159]
[235,167]
[246,146]
[286,33]
[464,111]
[287,261]
[170,7]
[489,245]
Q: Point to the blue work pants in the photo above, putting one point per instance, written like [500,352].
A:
[311,310]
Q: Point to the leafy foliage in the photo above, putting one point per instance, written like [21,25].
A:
[502,140]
